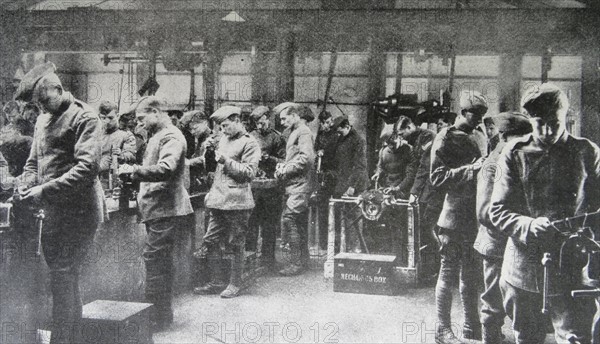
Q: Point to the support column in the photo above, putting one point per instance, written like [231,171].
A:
[590,96]
[510,82]
[259,72]
[376,88]
[285,65]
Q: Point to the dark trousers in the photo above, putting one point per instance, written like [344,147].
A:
[264,219]
[294,228]
[492,310]
[460,263]
[158,259]
[570,317]
[65,247]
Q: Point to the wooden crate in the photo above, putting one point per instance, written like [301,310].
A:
[365,274]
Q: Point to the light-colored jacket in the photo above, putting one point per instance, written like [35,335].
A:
[162,191]
[231,188]
[299,161]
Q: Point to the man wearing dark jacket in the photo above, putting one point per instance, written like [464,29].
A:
[456,157]
[420,140]
[546,176]
[163,202]
[491,242]
[267,212]
[351,169]
[61,177]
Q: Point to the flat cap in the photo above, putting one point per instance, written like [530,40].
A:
[259,111]
[338,120]
[25,90]
[224,112]
[473,101]
[277,110]
[545,99]
[512,122]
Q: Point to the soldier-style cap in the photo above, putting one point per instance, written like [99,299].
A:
[152,101]
[224,112]
[545,99]
[277,110]
[260,111]
[25,90]
[303,111]
[512,122]
[473,102]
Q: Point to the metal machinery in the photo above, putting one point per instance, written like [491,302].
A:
[353,212]
[578,261]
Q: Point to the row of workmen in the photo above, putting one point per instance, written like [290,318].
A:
[537,172]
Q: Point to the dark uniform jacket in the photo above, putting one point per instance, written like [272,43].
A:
[299,161]
[64,160]
[452,154]
[351,164]
[327,141]
[489,242]
[273,144]
[420,140]
[230,189]
[434,197]
[392,165]
[162,191]
[537,180]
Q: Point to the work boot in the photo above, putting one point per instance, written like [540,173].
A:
[472,331]
[292,270]
[444,335]
[217,281]
[491,334]
[235,278]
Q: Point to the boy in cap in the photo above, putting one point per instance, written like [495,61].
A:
[229,202]
[546,176]
[296,174]
[456,157]
[163,202]
[491,243]
[61,177]
[116,143]
[267,212]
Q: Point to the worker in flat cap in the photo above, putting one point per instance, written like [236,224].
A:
[163,202]
[61,177]
[490,243]
[546,176]
[350,170]
[297,174]
[229,202]
[266,214]
[118,146]
[456,158]
[325,146]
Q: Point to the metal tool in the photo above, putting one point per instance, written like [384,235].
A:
[40,216]
[546,261]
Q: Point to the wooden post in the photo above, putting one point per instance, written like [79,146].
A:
[399,68]
[376,82]
[590,95]
[510,81]
[285,65]
[259,72]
